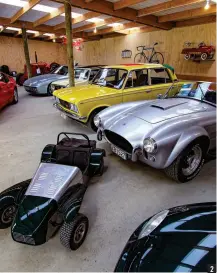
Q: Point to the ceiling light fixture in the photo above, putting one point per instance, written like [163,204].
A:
[95,30]
[13,28]
[207,6]
[95,20]
[115,25]
[48,34]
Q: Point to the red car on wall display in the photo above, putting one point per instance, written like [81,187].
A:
[203,51]
[8,90]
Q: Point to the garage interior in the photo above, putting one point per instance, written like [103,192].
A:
[128,192]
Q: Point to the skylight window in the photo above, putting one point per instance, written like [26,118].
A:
[44,8]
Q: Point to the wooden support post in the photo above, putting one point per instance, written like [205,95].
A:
[26,52]
[68,22]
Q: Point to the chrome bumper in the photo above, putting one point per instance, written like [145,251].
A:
[70,115]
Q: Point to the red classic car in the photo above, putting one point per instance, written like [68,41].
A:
[203,51]
[8,90]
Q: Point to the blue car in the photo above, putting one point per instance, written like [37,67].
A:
[41,84]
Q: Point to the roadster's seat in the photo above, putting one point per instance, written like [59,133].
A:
[74,152]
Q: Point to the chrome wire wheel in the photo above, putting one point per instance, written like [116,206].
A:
[192,160]
[8,214]
[79,233]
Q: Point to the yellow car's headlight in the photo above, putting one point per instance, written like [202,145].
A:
[73,107]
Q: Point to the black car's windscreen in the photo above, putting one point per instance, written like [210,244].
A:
[111,77]
[204,91]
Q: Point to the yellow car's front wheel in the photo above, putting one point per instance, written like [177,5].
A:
[92,116]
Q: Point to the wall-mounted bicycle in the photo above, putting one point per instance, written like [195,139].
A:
[155,57]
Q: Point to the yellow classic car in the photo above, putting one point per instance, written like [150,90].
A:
[114,85]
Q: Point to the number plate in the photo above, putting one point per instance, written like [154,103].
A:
[119,152]
[63,116]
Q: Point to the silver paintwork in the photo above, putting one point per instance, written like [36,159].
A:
[52,180]
[173,123]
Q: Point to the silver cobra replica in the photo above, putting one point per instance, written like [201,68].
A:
[175,133]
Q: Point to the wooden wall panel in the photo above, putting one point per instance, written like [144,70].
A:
[108,51]
[11,52]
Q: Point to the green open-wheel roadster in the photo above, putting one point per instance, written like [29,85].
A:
[36,208]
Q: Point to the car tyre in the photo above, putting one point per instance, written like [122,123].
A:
[20,79]
[91,119]
[49,91]
[178,170]
[203,56]
[15,98]
[187,57]
[7,212]
[73,234]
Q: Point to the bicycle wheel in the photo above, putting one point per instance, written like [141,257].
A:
[157,58]
[139,58]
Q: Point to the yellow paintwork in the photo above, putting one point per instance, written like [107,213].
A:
[90,97]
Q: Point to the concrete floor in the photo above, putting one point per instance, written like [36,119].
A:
[116,204]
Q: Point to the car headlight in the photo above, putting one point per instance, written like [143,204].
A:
[153,223]
[73,107]
[97,121]
[150,145]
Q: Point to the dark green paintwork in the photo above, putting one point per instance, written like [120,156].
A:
[184,242]
[33,216]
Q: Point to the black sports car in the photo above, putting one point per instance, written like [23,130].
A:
[181,239]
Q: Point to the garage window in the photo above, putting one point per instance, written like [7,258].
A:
[159,76]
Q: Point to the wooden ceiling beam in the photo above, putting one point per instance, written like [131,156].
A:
[126,3]
[187,14]
[49,16]
[84,17]
[25,9]
[138,30]
[106,7]
[95,25]
[167,6]
[197,21]
[114,29]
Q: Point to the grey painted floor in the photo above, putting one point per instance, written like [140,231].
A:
[115,205]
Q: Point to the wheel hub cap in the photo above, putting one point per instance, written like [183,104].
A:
[79,233]
[8,214]
[192,161]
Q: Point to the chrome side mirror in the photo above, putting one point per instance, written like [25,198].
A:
[159,96]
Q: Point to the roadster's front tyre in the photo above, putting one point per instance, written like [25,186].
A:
[72,235]
[7,211]
[188,164]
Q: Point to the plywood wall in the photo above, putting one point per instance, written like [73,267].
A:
[108,51]
[11,52]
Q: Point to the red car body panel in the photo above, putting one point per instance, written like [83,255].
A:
[200,49]
[7,86]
